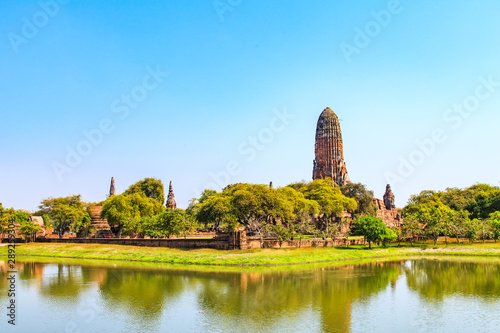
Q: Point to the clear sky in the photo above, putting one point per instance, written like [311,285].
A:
[207,92]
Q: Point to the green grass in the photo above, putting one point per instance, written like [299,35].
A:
[254,257]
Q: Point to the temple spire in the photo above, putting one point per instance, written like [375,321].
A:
[171,204]
[329,149]
[112,187]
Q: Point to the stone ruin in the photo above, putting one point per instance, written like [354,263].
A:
[329,163]
[329,149]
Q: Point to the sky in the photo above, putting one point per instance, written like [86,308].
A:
[209,93]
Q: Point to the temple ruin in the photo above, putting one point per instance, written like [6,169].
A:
[329,163]
[329,149]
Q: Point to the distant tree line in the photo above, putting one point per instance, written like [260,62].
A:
[472,213]
[294,211]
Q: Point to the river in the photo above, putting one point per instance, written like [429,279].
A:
[410,295]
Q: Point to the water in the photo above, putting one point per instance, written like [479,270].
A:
[421,295]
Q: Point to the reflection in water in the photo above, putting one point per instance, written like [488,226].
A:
[135,298]
[435,279]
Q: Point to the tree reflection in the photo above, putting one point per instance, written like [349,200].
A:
[434,279]
[142,295]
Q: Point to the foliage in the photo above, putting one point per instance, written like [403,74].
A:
[363,198]
[28,229]
[67,213]
[410,229]
[374,230]
[479,200]
[329,198]
[125,210]
[494,220]
[281,233]
[150,187]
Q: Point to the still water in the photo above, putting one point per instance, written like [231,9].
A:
[421,295]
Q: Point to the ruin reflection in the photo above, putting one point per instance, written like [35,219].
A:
[142,295]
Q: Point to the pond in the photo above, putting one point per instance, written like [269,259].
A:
[410,295]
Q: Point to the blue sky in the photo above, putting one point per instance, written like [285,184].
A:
[236,91]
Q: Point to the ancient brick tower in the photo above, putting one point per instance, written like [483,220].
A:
[329,150]
[112,187]
[171,198]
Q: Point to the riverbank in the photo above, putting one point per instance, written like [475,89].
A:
[254,257]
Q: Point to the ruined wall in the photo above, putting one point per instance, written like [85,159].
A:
[234,241]
[270,243]
[220,244]
[391,217]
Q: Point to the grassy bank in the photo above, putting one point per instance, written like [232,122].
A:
[255,257]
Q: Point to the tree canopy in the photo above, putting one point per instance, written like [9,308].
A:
[150,187]
[66,213]
[124,209]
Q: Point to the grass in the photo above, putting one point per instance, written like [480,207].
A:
[254,257]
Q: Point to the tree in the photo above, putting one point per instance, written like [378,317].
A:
[330,200]
[67,213]
[411,228]
[5,217]
[373,229]
[281,233]
[175,222]
[150,187]
[436,220]
[494,221]
[28,229]
[214,208]
[472,228]
[363,197]
[389,235]
[126,209]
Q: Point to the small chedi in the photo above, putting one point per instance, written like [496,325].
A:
[329,149]
[171,204]
[386,209]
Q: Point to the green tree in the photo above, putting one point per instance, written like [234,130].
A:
[330,200]
[389,235]
[125,210]
[373,229]
[28,230]
[363,197]
[67,213]
[494,220]
[215,209]
[411,228]
[472,227]
[150,187]
[281,233]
